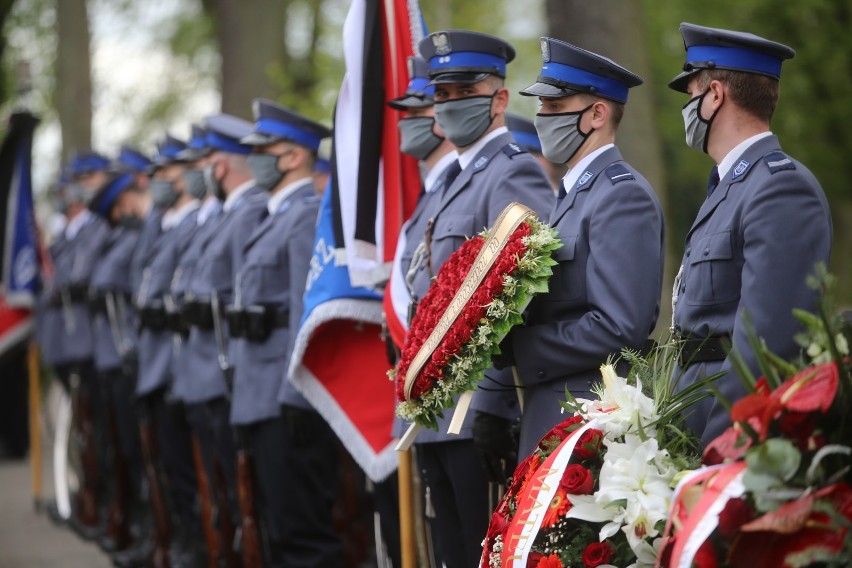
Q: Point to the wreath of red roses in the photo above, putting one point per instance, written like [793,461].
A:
[434,304]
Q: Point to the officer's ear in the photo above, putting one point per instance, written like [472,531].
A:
[715,94]
[501,101]
[600,112]
[220,169]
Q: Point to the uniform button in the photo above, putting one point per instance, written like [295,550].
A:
[682,289]
[687,252]
[540,374]
[706,251]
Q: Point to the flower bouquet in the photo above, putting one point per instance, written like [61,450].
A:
[776,490]
[476,298]
[597,490]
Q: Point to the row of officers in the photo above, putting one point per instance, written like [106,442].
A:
[178,287]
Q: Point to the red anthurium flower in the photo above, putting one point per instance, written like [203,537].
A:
[762,409]
[786,519]
[730,445]
[737,512]
[810,390]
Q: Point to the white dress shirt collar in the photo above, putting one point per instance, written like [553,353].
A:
[173,217]
[74,225]
[468,155]
[573,175]
[437,171]
[278,197]
[728,161]
[234,197]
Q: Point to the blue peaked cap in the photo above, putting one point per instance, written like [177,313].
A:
[567,70]
[168,151]
[87,162]
[197,146]
[712,48]
[419,94]
[130,158]
[108,193]
[524,132]
[225,131]
[274,123]
[462,56]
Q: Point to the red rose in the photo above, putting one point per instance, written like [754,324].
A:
[597,553]
[736,513]
[589,444]
[577,480]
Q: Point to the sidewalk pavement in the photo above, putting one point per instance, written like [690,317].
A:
[31,540]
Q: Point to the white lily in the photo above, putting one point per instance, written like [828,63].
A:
[622,407]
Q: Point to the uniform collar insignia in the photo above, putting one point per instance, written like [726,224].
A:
[480,162]
[584,179]
[740,169]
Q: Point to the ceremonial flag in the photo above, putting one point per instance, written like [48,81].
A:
[19,250]
[339,362]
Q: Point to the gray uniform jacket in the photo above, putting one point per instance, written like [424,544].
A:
[604,294]
[502,172]
[185,273]
[156,347]
[749,251]
[85,250]
[222,254]
[49,320]
[151,229]
[273,273]
[112,275]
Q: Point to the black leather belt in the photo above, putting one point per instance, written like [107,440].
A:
[198,313]
[256,322]
[153,316]
[701,350]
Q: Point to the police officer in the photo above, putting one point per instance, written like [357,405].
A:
[156,342]
[220,251]
[296,473]
[611,225]
[468,71]
[763,228]
[419,137]
[85,235]
[109,302]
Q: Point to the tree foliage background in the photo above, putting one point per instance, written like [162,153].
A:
[207,55]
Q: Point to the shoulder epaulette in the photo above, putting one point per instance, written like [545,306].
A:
[618,172]
[777,161]
[513,149]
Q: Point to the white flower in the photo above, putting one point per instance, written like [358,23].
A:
[622,407]
[842,344]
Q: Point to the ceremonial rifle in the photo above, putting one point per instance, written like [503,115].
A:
[249,533]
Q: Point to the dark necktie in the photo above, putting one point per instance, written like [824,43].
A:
[713,181]
[453,170]
[562,193]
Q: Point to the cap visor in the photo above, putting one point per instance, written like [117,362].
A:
[547,90]
[680,82]
[410,101]
[259,139]
[458,77]
[192,154]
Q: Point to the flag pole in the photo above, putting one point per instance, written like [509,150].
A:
[35,422]
[408,544]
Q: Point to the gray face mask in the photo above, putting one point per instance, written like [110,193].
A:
[465,120]
[264,169]
[195,183]
[213,185]
[76,193]
[560,134]
[163,193]
[416,137]
[697,129]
